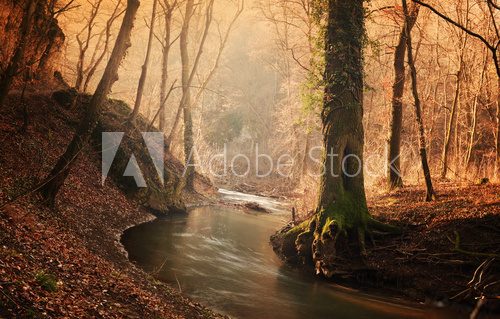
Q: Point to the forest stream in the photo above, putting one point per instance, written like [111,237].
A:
[221,257]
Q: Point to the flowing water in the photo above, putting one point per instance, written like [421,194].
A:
[221,257]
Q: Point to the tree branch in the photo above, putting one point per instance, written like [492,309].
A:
[491,47]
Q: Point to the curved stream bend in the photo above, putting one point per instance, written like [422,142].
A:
[221,257]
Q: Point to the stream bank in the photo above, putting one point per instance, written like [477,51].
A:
[68,262]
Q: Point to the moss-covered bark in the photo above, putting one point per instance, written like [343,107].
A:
[337,231]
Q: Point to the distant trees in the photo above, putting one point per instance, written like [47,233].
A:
[61,169]
[189,72]
[457,86]
[492,43]
[85,70]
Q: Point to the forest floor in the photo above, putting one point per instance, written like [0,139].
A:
[69,262]
[443,241]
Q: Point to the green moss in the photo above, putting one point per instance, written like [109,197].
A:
[346,212]
[47,281]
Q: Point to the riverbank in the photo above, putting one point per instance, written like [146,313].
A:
[68,262]
[442,244]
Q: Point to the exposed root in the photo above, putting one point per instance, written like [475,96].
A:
[374,224]
[466,252]
[331,240]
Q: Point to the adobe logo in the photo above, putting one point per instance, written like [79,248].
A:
[154,142]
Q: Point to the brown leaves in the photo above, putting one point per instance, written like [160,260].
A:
[75,247]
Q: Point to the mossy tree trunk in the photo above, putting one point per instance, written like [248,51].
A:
[59,173]
[342,201]
[336,232]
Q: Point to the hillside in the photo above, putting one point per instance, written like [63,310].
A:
[68,261]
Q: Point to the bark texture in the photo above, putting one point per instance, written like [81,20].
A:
[336,232]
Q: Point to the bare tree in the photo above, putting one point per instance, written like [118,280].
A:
[166,44]
[430,195]
[394,150]
[187,74]
[59,173]
[187,79]
[475,104]
[145,66]
[450,128]
[84,37]
[101,48]
[491,45]
[223,37]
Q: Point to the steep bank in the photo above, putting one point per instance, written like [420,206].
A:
[68,262]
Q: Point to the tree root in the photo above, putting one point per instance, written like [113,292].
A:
[386,228]
[472,253]
[328,242]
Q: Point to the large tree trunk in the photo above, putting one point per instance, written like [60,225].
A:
[342,218]
[12,69]
[145,66]
[58,175]
[394,148]
[418,113]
